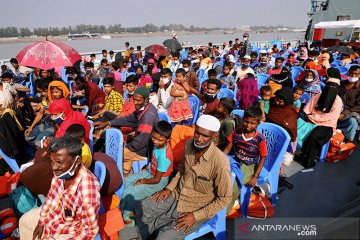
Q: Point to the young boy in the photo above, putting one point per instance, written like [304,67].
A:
[131,84]
[264,102]
[250,149]
[209,101]
[226,78]
[298,92]
[211,75]
[224,109]
[77,131]
[144,184]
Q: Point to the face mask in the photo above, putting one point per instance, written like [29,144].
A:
[245,38]
[186,69]
[353,79]
[245,65]
[58,120]
[69,173]
[165,80]
[210,96]
[88,71]
[176,62]
[262,64]
[309,79]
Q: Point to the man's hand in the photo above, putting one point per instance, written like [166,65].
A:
[101,124]
[28,131]
[138,182]
[185,222]
[161,84]
[38,232]
[252,182]
[161,196]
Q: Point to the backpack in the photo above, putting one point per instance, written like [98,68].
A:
[24,200]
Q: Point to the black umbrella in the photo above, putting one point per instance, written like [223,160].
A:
[342,49]
[172,44]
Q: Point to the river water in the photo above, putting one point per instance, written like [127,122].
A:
[9,50]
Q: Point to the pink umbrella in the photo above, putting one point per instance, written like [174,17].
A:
[48,54]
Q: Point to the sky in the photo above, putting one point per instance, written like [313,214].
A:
[130,13]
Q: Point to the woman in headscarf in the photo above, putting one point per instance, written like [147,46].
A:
[308,66]
[281,80]
[57,90]
[303,55]
[322,114]
[63,117]
[323,64]
[283,113]
[311,83]
[134,64]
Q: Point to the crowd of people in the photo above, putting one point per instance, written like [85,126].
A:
[187,179]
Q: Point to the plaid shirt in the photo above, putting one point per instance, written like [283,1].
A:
[114,102]
[81,199]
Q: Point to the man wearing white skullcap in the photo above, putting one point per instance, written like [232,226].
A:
[200,189]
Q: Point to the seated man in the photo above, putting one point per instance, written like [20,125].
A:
[143,120]
[349,92]
[72,204]
[199,190]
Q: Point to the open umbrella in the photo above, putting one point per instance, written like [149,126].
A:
[157,49]
[342,49]
[172,44]
[48,54]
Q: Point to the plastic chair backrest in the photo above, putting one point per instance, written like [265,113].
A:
[277,141]
[114,143]
[262,78]
[30,85]
[195,108]
[10,161]
[343,70]
[163,116]
[295,71]
[305,98]
[125,94]
[91,142]
[101,83]
[238,112]
[337,62]
[225,92]
[131,73]
[200,73]
[348,66]
[124,75]
[100,172]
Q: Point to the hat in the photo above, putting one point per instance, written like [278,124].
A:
[208,122]
[142,91]
[151,60]
[247,57]
[269,51]
[231,58]
[262,51]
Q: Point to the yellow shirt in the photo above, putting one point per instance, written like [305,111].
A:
[86,155]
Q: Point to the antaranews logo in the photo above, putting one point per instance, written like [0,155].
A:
[300,229]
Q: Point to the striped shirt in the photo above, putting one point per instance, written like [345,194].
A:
[82,202]
[114,102]
[202,187]
[249,150]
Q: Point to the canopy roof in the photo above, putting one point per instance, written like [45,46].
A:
[338,24]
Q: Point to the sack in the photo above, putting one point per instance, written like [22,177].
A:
[338,150]
[260,207]
[24,200]
[7,183]
[110,223]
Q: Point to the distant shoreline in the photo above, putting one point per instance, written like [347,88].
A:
[115,36]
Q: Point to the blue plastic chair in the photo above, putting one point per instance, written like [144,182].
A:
[343,70]
[137,166]
[238,112]
[101,84]
[324,150]
[114,147]
[195,108]
[10,161]
[262,79]
[125,94]
[70,85]
[163,116]
[295,71]
[348,66]
[131,73]
[100,173]
[236,53]
[337,63]
[200,73]
[91,142]
[124,75]
[216,225]
[305,98]
[217,64]
[30,85]
[277,141]
[225,92]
